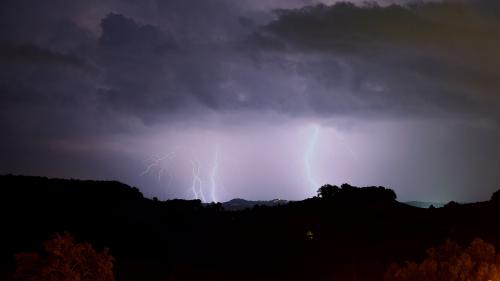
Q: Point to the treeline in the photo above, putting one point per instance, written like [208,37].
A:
[349,193]
[344,233]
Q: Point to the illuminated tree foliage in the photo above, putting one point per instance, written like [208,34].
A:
[65,260]
[450,262]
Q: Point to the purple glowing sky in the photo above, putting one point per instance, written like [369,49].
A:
[155,92]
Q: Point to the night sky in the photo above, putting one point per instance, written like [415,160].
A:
[257,99]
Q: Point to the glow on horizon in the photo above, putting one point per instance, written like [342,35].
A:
[266,161]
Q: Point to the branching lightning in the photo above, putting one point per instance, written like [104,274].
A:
[205,181]
[311,147]
[159,166]
[160,163]
[197,183]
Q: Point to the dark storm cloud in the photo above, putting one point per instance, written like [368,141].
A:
[86,68]
[176,57]
[424,59]
[420,58]
[162,61]
[344,59]
[135,61]
[151,73]
[50,24]
[36,55]
[85,82]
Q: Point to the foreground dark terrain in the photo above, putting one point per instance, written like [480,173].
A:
[344,234]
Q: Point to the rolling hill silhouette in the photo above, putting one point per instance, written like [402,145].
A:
[345,233]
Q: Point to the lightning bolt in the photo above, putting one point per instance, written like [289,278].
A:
[159,166]
[213,176]
[193,186]
[197,184]
[311,147]
[158,162]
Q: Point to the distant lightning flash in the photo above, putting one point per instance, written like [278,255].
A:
[161,166]
[213,176]
[193,186]
[158,163]
[197,185]
[311,147]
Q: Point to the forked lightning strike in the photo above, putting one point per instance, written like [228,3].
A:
[197,184]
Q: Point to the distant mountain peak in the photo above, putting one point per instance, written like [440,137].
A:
[242,204]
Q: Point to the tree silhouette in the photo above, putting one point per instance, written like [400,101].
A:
[495,197]
[65,260]
[328,191]
[449,262]
[347,192]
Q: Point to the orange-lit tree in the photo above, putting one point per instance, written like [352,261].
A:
[65,260]
[449,262]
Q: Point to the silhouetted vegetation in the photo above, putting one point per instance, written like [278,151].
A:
[450,262]
[495,198]
[63,259]
[349,193]
[345,233]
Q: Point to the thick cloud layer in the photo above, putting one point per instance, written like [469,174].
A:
[113,82]
[425,58]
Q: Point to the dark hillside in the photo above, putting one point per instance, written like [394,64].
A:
[346,233]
